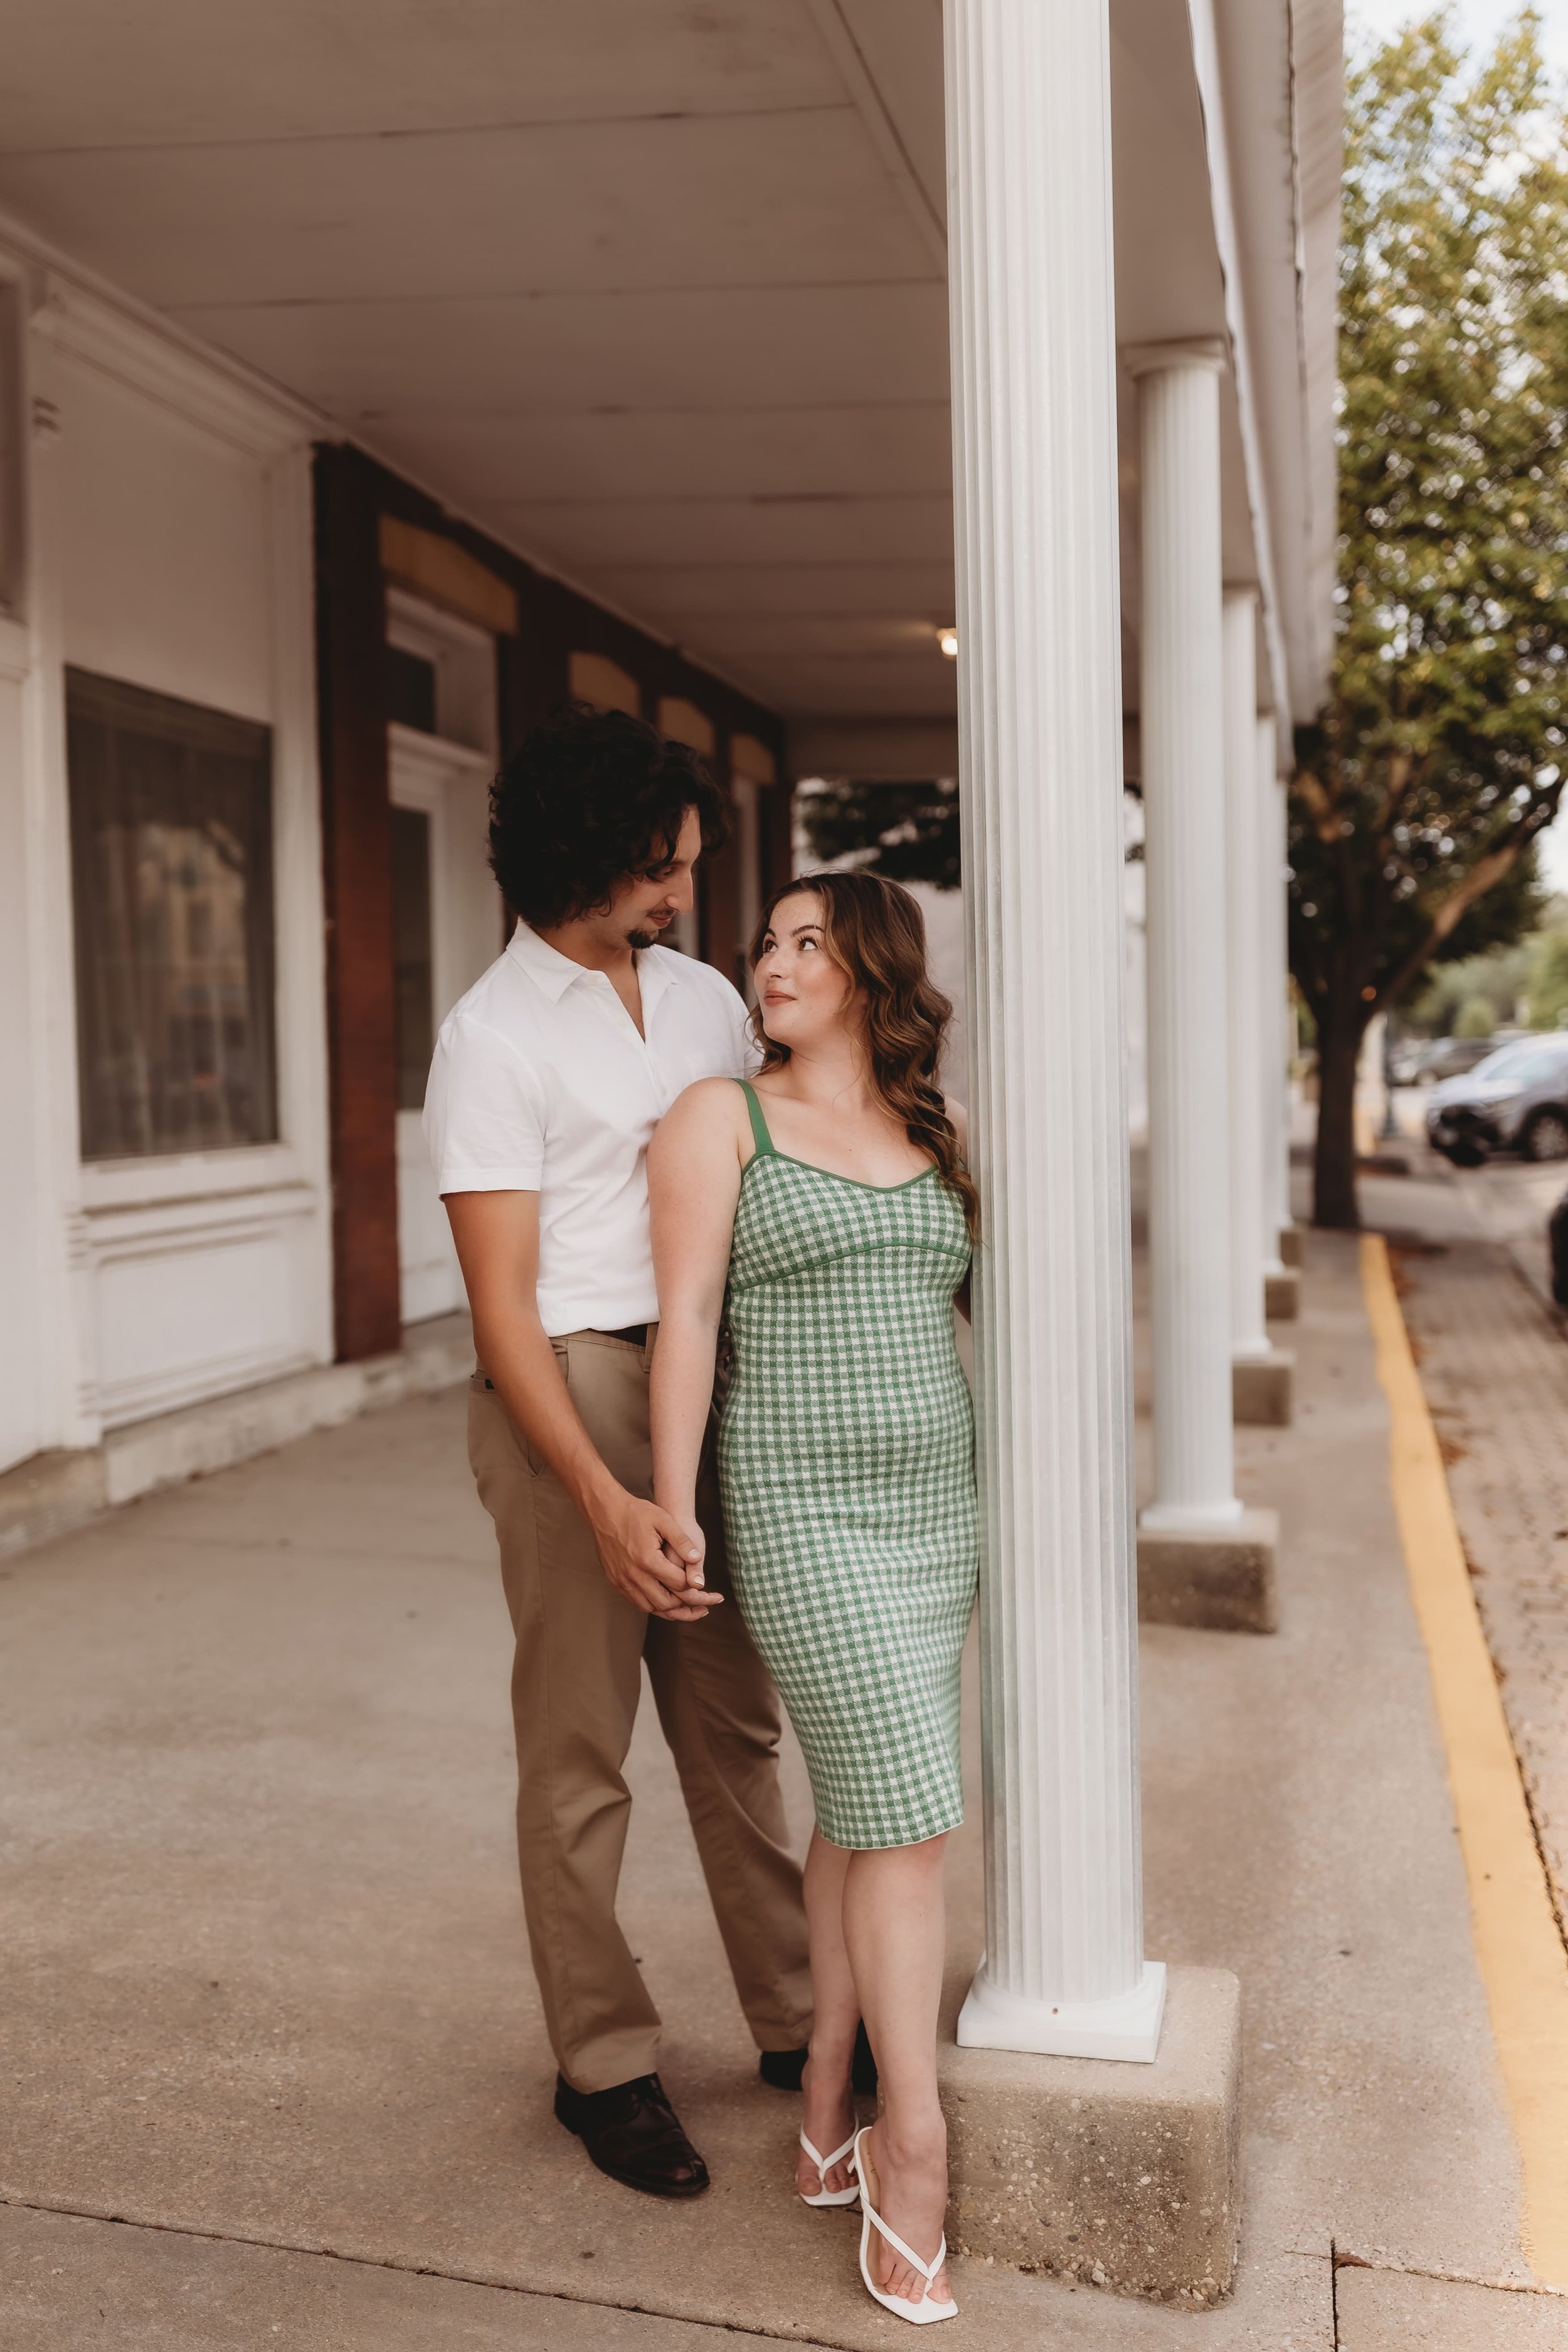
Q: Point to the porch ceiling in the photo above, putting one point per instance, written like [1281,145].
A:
[651,289]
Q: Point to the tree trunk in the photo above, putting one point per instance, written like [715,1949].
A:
[1333,1165]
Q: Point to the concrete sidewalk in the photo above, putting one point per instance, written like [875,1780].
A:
[264,1998]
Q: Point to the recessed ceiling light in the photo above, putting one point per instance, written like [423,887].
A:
[948,640]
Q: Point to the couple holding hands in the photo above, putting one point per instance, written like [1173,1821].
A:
[653,1196]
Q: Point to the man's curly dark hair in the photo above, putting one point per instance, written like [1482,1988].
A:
[588,800]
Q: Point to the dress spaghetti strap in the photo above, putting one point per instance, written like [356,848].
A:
[760,1135]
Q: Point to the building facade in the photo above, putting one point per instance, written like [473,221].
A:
[254,686]
[954,381]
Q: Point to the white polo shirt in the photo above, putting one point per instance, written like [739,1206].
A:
[541,1084]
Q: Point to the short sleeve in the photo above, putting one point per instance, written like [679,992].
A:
[740,1054]
[484,1113]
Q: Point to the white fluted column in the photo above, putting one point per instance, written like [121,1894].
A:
[1040,734]
[1251,1189]
[1278,1032]
[1180,707]
[1274,1027]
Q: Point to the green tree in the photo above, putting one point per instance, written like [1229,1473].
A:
[1547,986]
[1435,765]
[1499,980]
[908,832]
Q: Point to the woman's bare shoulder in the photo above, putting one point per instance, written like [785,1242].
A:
[710,1098]
[705,1111]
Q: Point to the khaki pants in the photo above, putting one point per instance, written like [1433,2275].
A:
[576,1685]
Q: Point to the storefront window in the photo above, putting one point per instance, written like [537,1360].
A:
[170,809]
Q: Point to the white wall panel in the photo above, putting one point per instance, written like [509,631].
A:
[165,552]
[193,1301]
[173,551]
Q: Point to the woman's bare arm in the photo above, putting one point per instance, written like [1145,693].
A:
[644,1556]
[694,1183]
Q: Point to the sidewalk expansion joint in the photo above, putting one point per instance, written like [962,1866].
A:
[815,2341]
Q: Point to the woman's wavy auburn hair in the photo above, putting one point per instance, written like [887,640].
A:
[876,934]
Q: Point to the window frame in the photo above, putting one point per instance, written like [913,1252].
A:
[463,656]
[119,705]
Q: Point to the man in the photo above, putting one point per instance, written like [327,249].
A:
[549,1078]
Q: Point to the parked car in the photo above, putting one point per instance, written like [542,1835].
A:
[1448,1057]
[1516,1100]
[1407,1061]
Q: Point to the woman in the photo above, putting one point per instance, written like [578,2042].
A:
[824,1217]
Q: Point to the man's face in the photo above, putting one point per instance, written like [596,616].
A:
[644,907]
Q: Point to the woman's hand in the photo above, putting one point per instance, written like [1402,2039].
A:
[692,1554]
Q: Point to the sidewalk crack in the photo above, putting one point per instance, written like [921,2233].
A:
[1343,2260]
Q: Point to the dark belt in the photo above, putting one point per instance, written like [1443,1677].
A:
[635,1334]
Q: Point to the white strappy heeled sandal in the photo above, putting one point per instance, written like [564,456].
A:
[824,2165]
[923,2313]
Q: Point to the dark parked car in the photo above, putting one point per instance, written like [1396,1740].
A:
[1516,1100]
[1557,1240]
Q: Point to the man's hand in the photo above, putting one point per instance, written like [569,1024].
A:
[652,1558]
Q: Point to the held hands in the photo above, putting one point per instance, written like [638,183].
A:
[654,1559]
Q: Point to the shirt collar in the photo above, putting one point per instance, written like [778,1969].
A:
[554,972]
[655,974]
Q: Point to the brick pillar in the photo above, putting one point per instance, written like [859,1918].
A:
[777,831]
[719,901]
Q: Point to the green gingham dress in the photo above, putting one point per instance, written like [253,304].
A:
[847,1463]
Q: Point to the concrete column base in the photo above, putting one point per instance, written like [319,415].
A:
[1292,1245]
[1282,1297]
[1263,1388]
[1123,2176]
[1220,1577]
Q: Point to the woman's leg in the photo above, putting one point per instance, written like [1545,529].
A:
[830,2114]
[894,1927]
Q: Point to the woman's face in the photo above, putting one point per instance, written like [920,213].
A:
[802,992]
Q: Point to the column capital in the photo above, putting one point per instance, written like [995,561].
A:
[1209,353]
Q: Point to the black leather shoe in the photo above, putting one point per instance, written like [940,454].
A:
[633,2133]
[783,2068]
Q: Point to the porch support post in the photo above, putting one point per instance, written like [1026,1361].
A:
[1040,761]
[1185,817]
[1262,1375]
[1245,989]
[1202,1559]
[1275,1038]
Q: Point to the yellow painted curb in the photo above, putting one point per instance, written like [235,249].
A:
[1523,1962]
